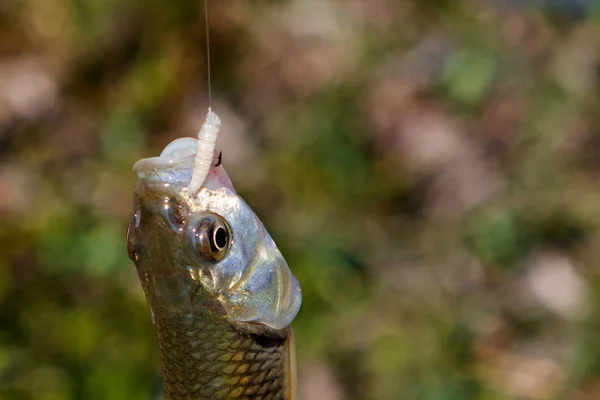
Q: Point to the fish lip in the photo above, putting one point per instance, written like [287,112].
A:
[174,165]
[163,170]
[153,163]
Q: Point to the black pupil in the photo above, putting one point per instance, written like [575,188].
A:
[220,238]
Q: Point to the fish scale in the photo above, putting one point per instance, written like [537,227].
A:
[248,367]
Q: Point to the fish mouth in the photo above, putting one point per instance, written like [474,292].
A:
[185,160]
[173,166]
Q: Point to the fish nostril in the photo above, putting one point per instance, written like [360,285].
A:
[179,215]
[176,214]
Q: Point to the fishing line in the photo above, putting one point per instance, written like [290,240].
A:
[207,137]
[208,53]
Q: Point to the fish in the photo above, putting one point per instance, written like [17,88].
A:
[220,293]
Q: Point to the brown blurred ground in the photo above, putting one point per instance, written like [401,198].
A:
[430,170]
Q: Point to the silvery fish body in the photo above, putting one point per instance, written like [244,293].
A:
[219,291]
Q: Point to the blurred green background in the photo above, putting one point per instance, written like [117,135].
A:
[430,169]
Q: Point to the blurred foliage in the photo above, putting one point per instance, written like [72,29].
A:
[428,168]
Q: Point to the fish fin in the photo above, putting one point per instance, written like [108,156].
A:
[291,372]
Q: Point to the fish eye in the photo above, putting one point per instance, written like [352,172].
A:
[211,237]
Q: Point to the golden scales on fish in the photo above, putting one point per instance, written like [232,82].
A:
[220,293]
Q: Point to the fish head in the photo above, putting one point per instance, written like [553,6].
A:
[206,250]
